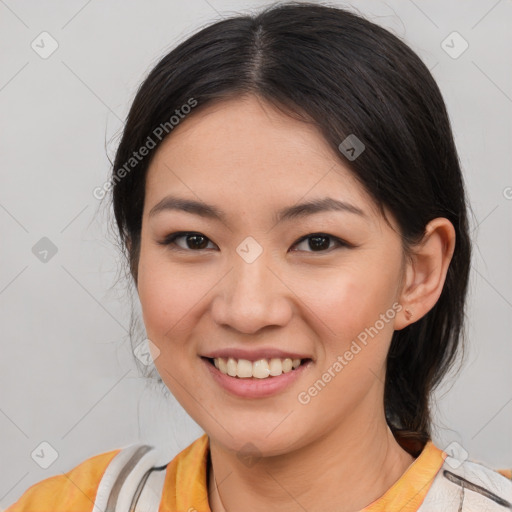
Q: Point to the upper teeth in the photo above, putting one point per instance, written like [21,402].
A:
[260,369]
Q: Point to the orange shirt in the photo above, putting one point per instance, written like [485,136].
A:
[186,486]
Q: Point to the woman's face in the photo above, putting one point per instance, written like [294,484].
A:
[250,281]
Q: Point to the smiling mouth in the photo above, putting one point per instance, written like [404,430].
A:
[260,369]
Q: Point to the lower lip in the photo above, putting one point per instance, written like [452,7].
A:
[253,387]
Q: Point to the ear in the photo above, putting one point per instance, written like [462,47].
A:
[425,272]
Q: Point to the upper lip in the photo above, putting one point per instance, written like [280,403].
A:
[255,354]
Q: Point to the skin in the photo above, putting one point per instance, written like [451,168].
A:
[336,452]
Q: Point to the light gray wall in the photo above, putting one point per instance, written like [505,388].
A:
[67,374]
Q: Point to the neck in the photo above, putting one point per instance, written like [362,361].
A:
[343,470]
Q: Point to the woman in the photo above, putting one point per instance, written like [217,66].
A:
[291,206]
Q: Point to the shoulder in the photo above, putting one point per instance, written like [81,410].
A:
[468,485]
[74,490]
[129,478]
[507,473]
[186,478]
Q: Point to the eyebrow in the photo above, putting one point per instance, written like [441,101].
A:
[286,214]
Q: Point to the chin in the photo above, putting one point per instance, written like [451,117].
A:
[255,442]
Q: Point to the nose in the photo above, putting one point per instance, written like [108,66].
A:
[252,296]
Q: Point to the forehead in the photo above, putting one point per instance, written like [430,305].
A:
[245,149]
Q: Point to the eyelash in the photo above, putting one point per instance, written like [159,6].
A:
[170,239]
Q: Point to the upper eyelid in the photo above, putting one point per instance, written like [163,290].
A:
[334,238]
[172,237]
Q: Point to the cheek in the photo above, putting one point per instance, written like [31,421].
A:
[345,311]
[167,303]
[166,296]
[347,302]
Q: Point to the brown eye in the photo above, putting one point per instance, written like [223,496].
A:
[192,241]
[320,242]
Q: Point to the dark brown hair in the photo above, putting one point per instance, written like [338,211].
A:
[347,75]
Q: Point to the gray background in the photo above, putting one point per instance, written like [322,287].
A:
[67,373]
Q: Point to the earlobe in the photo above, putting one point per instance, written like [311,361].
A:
[425,272]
